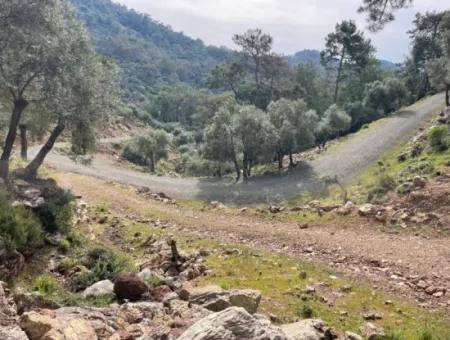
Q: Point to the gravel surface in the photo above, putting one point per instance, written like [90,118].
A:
[346,161]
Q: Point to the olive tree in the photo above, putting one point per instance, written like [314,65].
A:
[33,51]
[295,125]
[256,137]
[337,120]
[82,93]
[220,143]
[153,146]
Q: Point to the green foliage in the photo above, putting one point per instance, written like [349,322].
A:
[64,246]
[56,214]
[337,120]
[19,228]
[45,284]
[383,185]
[103,264]
[306,312]
[384,97]
[438,138]
[151,55]
[155,281]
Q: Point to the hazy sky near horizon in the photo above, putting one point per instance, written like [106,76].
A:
[294,24]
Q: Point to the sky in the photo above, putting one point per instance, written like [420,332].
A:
[294,24]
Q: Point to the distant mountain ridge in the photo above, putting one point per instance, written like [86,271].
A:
[305,56]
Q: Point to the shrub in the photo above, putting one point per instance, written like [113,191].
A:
[103,264]
[57,212]
[385,183]
[64,246]
[306,312]
[45,284]
[438,138]
[19,228]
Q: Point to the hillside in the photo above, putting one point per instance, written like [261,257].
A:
[307,55]
[150,53]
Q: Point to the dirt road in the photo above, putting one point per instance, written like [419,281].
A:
[345,161]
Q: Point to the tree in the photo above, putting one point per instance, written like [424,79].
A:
[338,121]
[220,144]
[439,69]
[75,99]
[381,12]
[32,52]
[255,45]
[256,137]
[153,146]
[384,97]
[346,51]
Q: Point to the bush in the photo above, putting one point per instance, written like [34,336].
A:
[45,284]
[438,138]
[56,214]
[64,246]
[131,153]
[385,183]
[19,228]
[103,264]
[306,312]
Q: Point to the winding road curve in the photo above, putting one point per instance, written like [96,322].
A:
[346,161]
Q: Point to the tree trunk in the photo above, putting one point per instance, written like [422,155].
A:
[152,162]
[245,167]
[19,106]
[447,94]
[23,141]
[280,161]
[237,169]
[32,168]
[338,78]
[291,160]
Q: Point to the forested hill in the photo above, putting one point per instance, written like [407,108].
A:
[304,56]
[150,53]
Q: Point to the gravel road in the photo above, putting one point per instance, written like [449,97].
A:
[346,161]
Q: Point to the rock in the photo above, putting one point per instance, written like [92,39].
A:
[419,182]
[47,326]
[367,210]
[210,297]
[405,188]
[29,301]
[159,293]
[233,323]
[217,205]
[309,329]
[372,332]
[12,332]
[372,316]
[129,286]
[352,336]
[216,299]
[274,209]
[248,299]
[99,288]
[11,262]
[7,307]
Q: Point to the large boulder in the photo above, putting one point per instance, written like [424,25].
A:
[99,288]
[130,287]
[233,323]
[47,326]
[216,299]
[26,302]
[309,329]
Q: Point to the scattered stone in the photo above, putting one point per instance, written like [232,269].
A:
[310,329]
[99,288]
[12,332]
[372,316]
[129,286]
[233,323]
[26,302]
[367,210]
[352,336]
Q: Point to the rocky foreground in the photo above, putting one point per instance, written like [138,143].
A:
[176,309]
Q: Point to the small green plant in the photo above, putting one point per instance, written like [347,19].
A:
[384,184]
[57,212]
[45,285]
[306,312]
[102,208]
[155,281]
[64,246]
[75,238]
[67,264]
[19,228]
[438,138]
[103,264]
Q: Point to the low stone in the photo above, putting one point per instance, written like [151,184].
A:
[210,297]
[233,323]
[248,299]
[99,288]
[129,286]
[309,329]
[12,332]
[419,182]
[372,316]
[352,336]
[47,326]
[159,293]
[26,302]
[367,210]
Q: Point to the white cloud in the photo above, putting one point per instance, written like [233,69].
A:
[295,24]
